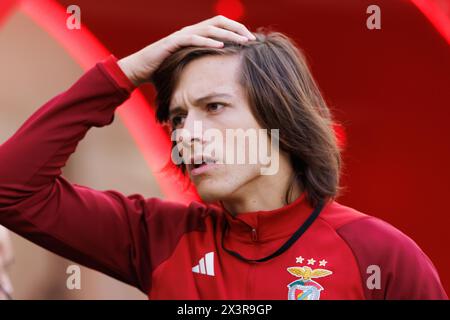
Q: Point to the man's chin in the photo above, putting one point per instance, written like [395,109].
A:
[210,189]
[210,193]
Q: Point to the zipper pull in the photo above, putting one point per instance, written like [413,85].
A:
[254,235]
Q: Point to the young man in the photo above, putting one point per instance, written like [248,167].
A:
[273,236]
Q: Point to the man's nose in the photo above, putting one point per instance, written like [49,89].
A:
[192,130]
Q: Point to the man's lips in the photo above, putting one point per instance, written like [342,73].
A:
[203,168]
[199,165]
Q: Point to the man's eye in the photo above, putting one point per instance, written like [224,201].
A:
[213,107]
[177,121]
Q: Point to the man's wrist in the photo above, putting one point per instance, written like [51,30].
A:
[111,66]
[126,66]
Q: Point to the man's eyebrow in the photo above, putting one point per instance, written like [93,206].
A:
[211,96]
[175,110]
[202,100]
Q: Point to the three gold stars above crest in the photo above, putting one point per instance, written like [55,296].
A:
[311,261]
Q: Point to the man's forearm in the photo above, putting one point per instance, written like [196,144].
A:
[33,157]
[95,228]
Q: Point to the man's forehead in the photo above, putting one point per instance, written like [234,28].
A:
[208,76]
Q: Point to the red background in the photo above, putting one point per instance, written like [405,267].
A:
[389,88]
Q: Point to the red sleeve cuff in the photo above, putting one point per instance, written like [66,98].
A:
[116,73]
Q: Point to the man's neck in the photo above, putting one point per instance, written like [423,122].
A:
[265,193]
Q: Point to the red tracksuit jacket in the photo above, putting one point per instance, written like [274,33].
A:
[173,251]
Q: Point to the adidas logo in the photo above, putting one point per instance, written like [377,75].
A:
[205,265]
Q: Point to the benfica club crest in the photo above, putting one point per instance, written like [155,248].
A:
[306,288]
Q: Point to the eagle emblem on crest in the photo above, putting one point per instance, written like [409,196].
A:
[305,288]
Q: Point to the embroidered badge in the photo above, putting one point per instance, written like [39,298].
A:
[305,288]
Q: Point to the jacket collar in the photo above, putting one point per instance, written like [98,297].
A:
[261,226]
